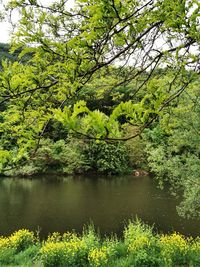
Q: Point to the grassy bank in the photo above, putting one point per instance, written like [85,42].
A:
[138,247]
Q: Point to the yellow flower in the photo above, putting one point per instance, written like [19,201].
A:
[22,239]
[97,257]
[139,243]
[174,240]
[55,237]
[4,243]
[173,245]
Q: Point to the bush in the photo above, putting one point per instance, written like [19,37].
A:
[142,244]
[60,157]
[194,251]
[16,243]
[60,253]
[136,149]
[75,156]
[22,239]
[6,251]
[68,249]
[98,256]
[174,249]
[107,158]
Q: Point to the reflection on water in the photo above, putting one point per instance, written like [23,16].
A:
[59,204]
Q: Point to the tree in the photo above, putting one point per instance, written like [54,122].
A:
[71,48]
[174,150]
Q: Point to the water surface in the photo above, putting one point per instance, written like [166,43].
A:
[60,204]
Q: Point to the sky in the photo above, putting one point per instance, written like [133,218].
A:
[5,27]
[4,37]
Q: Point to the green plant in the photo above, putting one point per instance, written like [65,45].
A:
[174,249]
[60,156]
[136,149]
[194,251]
[21,239]
[139,247]
[173,151]
[27,258]
[98,256]
[108,158]
[12,247]
[142,244]
[66,250]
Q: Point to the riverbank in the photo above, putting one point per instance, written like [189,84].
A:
[140,246]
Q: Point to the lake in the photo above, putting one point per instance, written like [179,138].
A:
[51,203]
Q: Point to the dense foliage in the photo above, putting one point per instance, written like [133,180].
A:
[173,150]
[71,157]
[139,247]
[94,71]
[73,48]
[4,53]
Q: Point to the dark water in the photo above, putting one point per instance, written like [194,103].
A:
[60,204]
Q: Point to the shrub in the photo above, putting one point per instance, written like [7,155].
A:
[107,158]
[98,256]
[22,239]
[194,251]
[17,242]
[66,250]
[6,251]
[90,238]
[174,249]
[61,157]
[62,253]
[71,250]
[73,156]
[135,148]
[142,244]
[135,230]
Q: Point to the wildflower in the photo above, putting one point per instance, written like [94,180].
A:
[98,257]
[139,243]
[22,239]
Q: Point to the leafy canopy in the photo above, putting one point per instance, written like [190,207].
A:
[68,48]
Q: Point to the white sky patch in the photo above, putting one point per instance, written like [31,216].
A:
[6,28]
